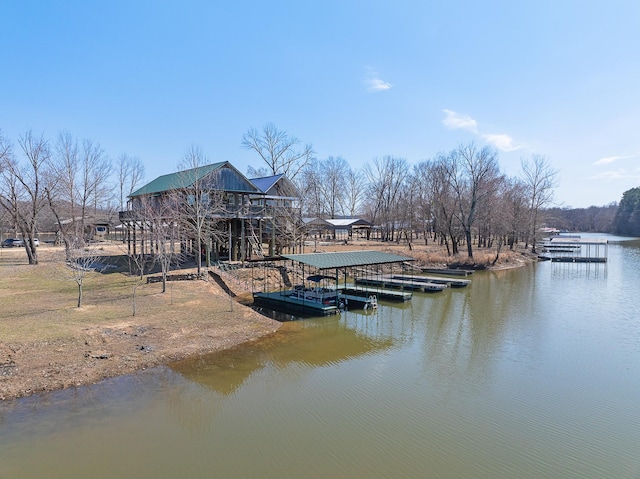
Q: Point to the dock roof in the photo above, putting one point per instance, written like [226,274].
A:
[347,259]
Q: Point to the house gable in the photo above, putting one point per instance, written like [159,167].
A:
[220,175]
[276,185]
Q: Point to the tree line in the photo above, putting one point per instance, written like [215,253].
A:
[458,198]
[62,183]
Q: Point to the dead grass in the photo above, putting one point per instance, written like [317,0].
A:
[47,343]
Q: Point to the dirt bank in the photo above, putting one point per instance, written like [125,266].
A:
[47,343]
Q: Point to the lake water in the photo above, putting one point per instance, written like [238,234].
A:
[527,373]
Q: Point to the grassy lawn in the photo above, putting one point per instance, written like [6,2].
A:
[39,303]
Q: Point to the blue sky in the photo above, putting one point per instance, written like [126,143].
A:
[360,79]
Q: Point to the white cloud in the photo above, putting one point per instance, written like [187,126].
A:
[374,83]
[618,174]
[456,121]
[501,142]
[611,159]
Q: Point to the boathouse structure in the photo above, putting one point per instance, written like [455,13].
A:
[326,283]
[215,211]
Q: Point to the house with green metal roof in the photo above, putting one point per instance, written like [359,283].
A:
[222,175]
[240,217]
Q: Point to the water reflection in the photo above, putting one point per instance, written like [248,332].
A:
[320,342]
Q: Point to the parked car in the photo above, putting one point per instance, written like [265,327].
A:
[12,242]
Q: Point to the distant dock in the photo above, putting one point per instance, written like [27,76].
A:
[574,249]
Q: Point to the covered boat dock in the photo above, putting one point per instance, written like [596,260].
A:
[327,286]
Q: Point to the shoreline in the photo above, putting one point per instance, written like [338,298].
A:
[102,339]
[39,367]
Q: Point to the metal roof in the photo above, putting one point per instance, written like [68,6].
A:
[227,178]
[347,259]
[265,183]
[174,181]
[348,222]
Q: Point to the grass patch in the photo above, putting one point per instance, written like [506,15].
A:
[39,303]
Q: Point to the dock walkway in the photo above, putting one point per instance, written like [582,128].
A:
[364,291]
[391,282]
[452,282]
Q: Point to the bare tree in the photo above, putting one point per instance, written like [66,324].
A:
[260,172]
[386,180]
[162,225]
[471,172]
[200,204]
[444,203]
[95,172]
[540,179]
[278,150]
[130,173]
[22,187]
[421,180]
[515,209]
[80,262]
[310,181]
[354,191]
[139,265]
[334,172]
[79,187]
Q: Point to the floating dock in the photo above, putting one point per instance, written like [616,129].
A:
[452,282]
[577,259]
[283,302]
[362,292]
[390,282]
[451,272]
[573,249]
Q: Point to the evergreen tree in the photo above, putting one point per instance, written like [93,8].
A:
[627,219]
